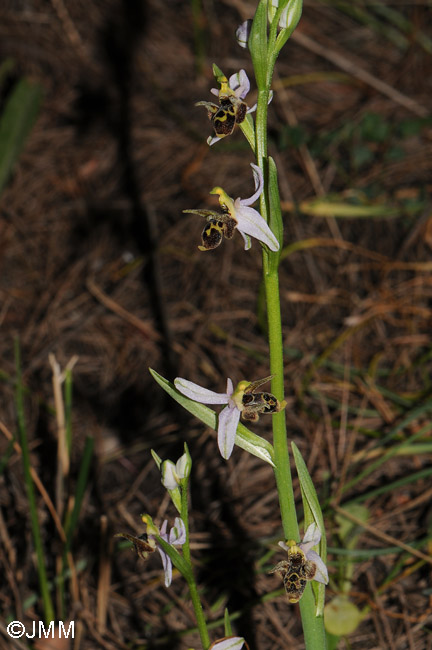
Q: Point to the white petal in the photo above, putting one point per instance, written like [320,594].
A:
[227,427]
[182,466]
[251,222]
[247,241]
[311,538]
[198,393]
[230,387]
[212,140]
[169,475]
[230,643]
[321,573]
[259,186]
[167,566]
[239,82]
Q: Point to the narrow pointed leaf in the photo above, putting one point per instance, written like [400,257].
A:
[258,44]
[275,214]
[16,122]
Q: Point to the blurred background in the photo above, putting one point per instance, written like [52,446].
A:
[101,148]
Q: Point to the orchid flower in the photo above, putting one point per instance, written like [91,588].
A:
[176,537]
[243,401]
[147,543]
[237,214]
[302,564]
[232,108]
[312,538]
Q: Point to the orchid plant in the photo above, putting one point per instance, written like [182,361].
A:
[305,562]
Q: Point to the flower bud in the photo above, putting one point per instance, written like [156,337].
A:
[170,478]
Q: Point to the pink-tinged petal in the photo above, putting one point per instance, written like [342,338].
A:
[251,223]
[311,538]
[227,427]
[321,574]
[163,528]
[243,33]
[198,393]
[167,566]
[239,83]
[230,387]
[259,186]
[177,536]
[214,91]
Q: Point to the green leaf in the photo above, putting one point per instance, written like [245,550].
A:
[275,214]
[312,513]
[245,439]
[248,128]
[258,44]
[16,122]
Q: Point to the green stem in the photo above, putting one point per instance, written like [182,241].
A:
[189,576]
[280,443]
[313,626]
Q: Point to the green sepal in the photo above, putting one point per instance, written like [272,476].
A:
[157,459]
[176,498]
[245,439]
[217,72]
[258,44]
[312,514]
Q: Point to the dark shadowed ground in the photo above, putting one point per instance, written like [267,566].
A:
[98,262]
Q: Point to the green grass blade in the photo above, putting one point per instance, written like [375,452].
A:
[37,539]
[16,122]
[79,494]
